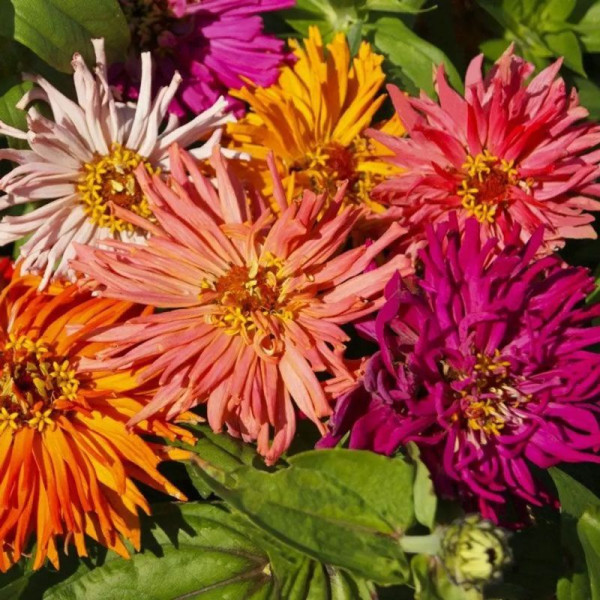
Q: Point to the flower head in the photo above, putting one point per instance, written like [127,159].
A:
[68,458]
[506,153]
[313,119]
[483,364]
[82,162]
[258,300]
[215,45]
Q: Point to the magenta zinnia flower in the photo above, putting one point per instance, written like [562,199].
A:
[81,162]
[258,299]
[506,153]
[213,44]
[483,364]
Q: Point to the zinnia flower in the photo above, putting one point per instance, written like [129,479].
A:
[258,300]
[313,119]
[68,460]
[82,162]
[214,44]
[506,153]
[483,364]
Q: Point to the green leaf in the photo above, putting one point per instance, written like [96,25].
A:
[423,490]
[556,10]
[589,28]
[11,115]
[345,508]
[190,551]
[575,499]
[432,582]
[565,44]
[396,6]
[588,528]
[415,57]
[222,451]
[56,29]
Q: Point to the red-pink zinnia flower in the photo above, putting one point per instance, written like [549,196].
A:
[258,299]
[507,152]
[483,364]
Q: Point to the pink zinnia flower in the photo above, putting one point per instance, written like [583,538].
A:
[483,364]
[214,44]
[506,153]
[82,162]
[258,299]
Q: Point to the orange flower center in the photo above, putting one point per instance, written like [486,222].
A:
[331,164]
[32,381]
[486,396]
[485,185]
[110,180]
[248,298]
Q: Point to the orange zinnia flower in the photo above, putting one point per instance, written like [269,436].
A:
[259,299]
[67,458]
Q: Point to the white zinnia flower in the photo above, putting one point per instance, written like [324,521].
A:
[82,162]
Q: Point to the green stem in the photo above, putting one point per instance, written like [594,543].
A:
[421,544]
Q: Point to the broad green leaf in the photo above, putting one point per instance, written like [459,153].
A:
[588,528]
[415,57]
[589,28]
[556,10]
[56,29]
[565,44]
[423,491]
[345,508]
[222,451]
[191,551]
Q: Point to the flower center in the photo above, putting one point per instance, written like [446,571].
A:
[332,163]
[248,298]
[148,22]
[110,180]
[32,381]
[487,396]
[485,183]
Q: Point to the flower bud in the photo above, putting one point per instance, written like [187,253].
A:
[475,551]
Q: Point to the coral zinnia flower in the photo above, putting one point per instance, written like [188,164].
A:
[506,153]
[313,119]
[483,364]
[258,300]
[214,44]
[83,162]
[67,457]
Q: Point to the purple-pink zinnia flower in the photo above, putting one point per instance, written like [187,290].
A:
[483,364]
[213,44]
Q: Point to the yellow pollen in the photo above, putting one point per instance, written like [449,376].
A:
[331,163]
[110,180]
[32,380]
[248,299]
[489,399]
[484,187]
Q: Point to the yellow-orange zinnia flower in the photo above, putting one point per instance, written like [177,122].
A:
[67,458]
[313,120]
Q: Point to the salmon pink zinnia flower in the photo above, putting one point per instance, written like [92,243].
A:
[506,153]
[259,299]
[483,364]
[68,460]
[81,163]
